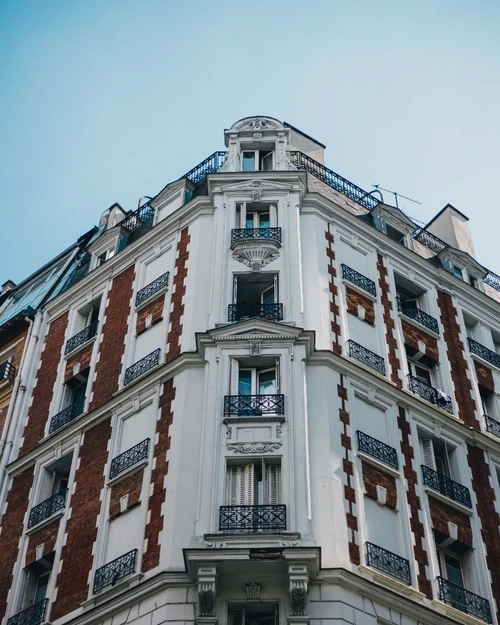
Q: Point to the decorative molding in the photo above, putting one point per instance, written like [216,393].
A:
[255,255]
[207,576]
[254,447]
[298,578]
[253,591]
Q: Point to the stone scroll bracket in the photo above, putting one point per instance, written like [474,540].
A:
[298,578]
[207,594]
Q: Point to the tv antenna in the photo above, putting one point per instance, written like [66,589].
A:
[396,195]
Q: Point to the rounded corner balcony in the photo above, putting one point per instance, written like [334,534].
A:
[255,247]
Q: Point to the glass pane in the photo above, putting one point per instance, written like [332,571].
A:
[248,161]
[266,161]
[267,382]
[453,570]
[41,587]
[250,221]
[264,220]
[245,382]
[267,296]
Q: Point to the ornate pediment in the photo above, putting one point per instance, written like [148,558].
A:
[255,188]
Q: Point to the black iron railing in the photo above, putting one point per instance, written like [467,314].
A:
[464,600]
[31,616]
[431,241]
[377,449]
[359,279]
[243,234]
[47,508]
[492,425]
[240,312]
[430,394]
[141,366]
[252,518]
[485,353]
[129,458]
[138,223]
[7,371]
[491,279]
[115,570]
[253,405]
[67,415]
[368,358]
[82,337]
[332,179]
[388,563]
[153,287]
[446,486]
[418,315]
[210,165]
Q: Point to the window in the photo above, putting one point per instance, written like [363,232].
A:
[253,614]
[86,325]
[252,215]
[255,296]
[254,484]
[458,272]
[395,235]
[37,577]
[421,373]
[75,391]
[440,456]
[106,255]
[257,160]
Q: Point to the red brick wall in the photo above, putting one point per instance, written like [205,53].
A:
[484,376]
[114,330]
[130,486]
[178,292]
[82,358]
[412,335]
[374,477]
[390,338]
[334,292]
[153,309]
[38,413]
[12,530]
[355,299]
[76,555]
[442,513]
[151,557]
[414,505]
[48,536]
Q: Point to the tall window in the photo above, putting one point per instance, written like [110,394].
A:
[257,160]
[37,577]
[254,484]
[255,613]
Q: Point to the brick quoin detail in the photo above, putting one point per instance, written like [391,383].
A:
[12,530]
[334,307]
[349,492]
[76,555]
[131,486]
[412,337]
[458,365]
[45,379]
[83,359]
[355,299]
[151,556]
[390,339]
[47,536]
[114,330]
[154,310]
[484,376]
[374,477]
[179,290]
[441,514]
[414,505]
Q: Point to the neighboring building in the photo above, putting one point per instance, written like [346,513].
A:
[263,397]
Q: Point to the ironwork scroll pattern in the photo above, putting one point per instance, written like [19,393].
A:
[115,570]
[141,366]
[243,234]
[418,315]
[464,600]
[368,358]
[240,312]
[485,353]
[377,449]
[430,394]
[388,562]
[33,615]
[252,518]
[47,508]
[153,287]
[253,405]
[359,279]
[82,337]
[67,415]
[129,458]
[446,486]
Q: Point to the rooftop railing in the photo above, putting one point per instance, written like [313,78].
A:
[139,222]
[359,279]
[128,458]
[152,288]
[377,449]
[267,518]
[7,371]
[82,337]
[141,366]
[388,563]
[253,405]
[418,315]
[446,486]
[209,166]
[33,615]
[47,508]
[483,352]
[367,357]
[430,394]
[464,600]
[115,570]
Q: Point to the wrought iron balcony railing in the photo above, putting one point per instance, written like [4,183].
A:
[141,366]
[446,486]
[152,288]
[244,234]
[493,280]
[253,405]
[252,518]
[138,223]
[34,615]
[430,394]
[431,241]
[368,358]
[7,371]
[418,315]
[115,570]
[67,415]
[492,425]
[485,353]
[82,337]
[359,279]
[464,600]
[337,182]
[377,449]
[388,563]
[47,508]
[209,166]
[129,458]
[240,312]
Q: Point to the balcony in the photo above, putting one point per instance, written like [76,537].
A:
[210,165]
[241,312]
[128,458]
[492,426]
[255,247]
[7,371]
[115,570]
[152,288]
[388,562]
[31,616]
[377,449]
[253,405]
[430,394]
[47,508]
[138,223]
[141,366]
[264,234]
[368,358]
[446,486]
[464,600]
[82,337]
[418,315]
[483,352]
[361,281]
[67,415]
[252,518]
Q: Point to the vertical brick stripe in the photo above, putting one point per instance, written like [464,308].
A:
[334,307]
[177,310]
[390,339]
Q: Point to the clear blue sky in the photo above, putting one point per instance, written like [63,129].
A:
[108,100]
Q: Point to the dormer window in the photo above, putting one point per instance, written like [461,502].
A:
[458,272]
[257,160]
[392,222]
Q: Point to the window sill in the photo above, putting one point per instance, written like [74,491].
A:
[128,471]
[110,592]
[418,325]
[450,502]
[359,289]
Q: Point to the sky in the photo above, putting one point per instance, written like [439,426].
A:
[107,101]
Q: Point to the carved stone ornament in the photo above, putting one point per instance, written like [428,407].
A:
[298,596]
[206,602]
[256,255]
[254,349]
[256,123]
[253,447]
[253,591]
[257,136]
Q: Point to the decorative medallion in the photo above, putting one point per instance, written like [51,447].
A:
[253,447]
[253,591]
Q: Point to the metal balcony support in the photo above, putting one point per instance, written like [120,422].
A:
[359,280]
[34,615]
[82,337]
[253,405]
[464,600]
[430,394]
[115,570]
[240,312]
[388,563]
[141,366]
[244,234]
[47,508]
[67,415]
[446,486]
[129,458]
[485,353]
[368,358]
[7,371]
[377,449]
[418,315]
[153,287]
[252,518]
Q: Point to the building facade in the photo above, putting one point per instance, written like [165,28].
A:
[264,397]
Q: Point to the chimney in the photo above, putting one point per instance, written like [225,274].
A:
[451,226]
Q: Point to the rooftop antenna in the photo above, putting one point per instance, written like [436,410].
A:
[396,195]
